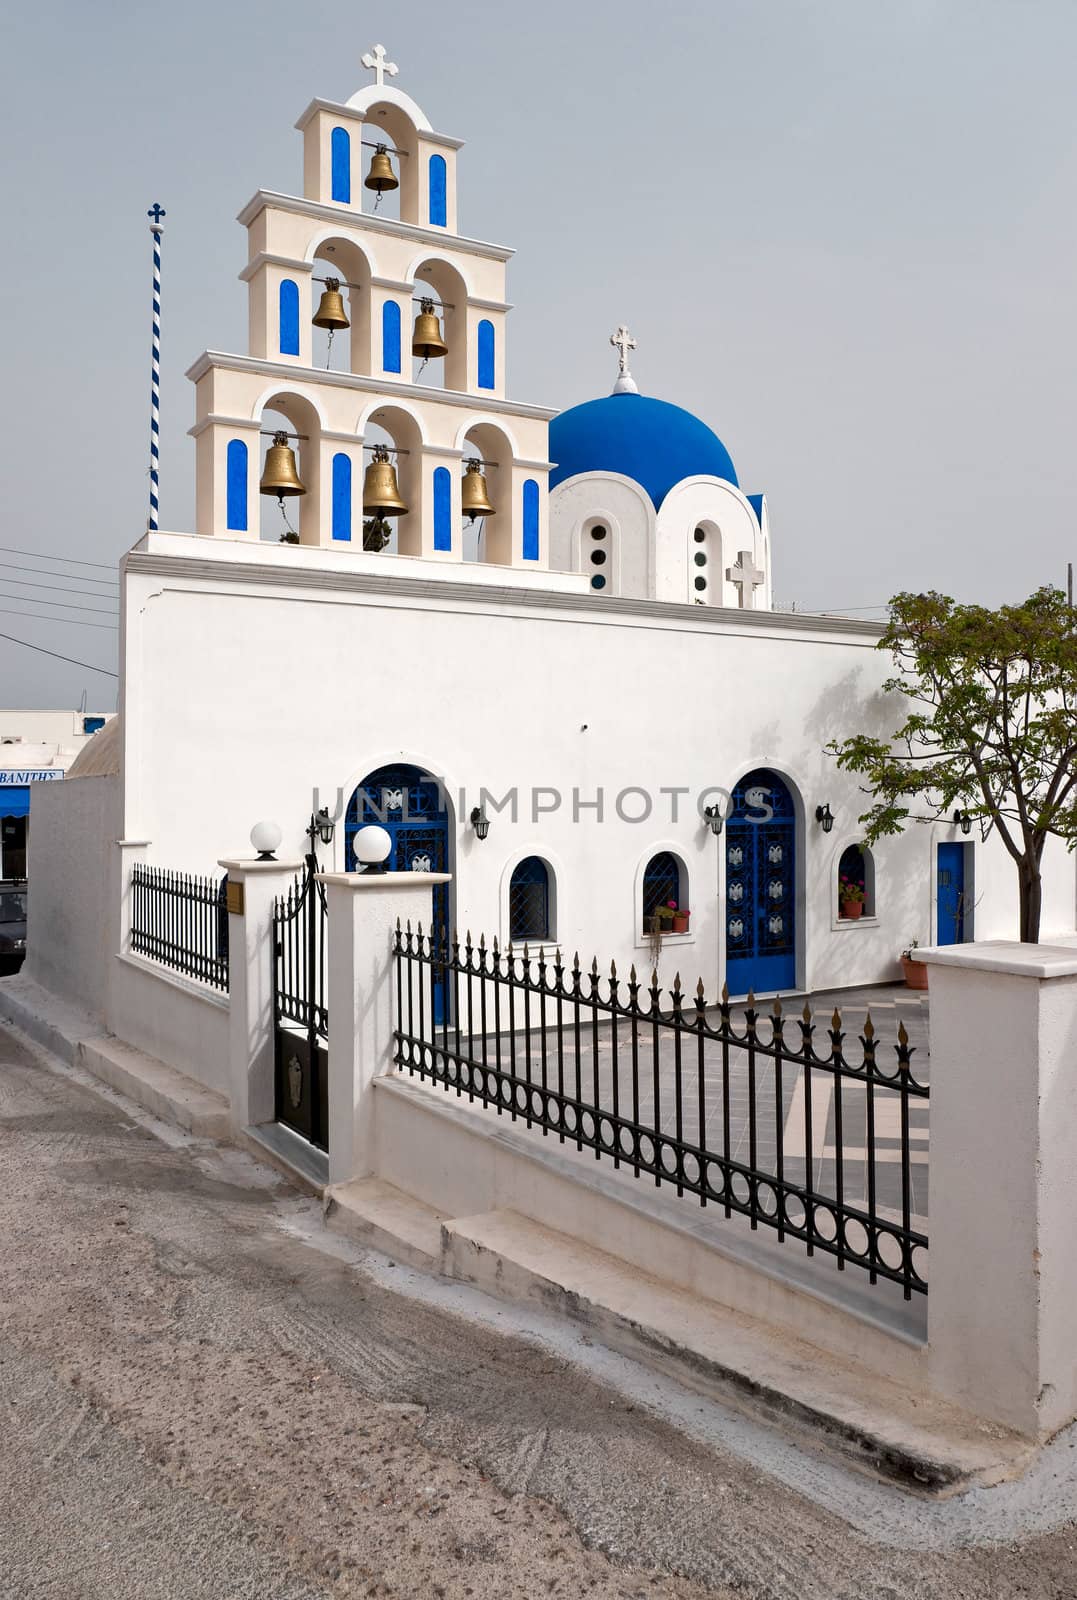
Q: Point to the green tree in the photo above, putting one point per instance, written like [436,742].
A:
[990,727]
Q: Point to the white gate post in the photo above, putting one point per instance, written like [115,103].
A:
[252,888]
[1002,1302]
[363,909]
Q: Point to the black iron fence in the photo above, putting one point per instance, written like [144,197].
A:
[300,1011]
[765,1118]
[181,921]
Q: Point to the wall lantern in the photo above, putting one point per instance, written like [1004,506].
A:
[824,817]
[480,822]
[712,815]
[372,846]
[963,821]
[265,837]
[322,826]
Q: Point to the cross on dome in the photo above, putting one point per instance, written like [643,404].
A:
[623,342]
[747,577]
[376,63]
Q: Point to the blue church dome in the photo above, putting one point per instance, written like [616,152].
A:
[650,441]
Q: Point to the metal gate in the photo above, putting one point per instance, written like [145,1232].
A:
[301,1020]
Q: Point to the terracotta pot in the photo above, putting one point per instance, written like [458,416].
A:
[852,909]
[915,973]
[680,921]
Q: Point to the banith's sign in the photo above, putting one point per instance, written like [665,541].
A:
[19,777]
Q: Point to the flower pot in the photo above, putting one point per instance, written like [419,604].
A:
[680,921]
[915,973]
[852,909]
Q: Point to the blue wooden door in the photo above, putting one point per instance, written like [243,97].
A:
[411,807]
[950,894]
[760,888]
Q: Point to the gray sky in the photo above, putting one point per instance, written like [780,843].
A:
[843,233]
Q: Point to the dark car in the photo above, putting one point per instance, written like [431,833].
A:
[12,928]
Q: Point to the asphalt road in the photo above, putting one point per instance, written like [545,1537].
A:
[202,1396]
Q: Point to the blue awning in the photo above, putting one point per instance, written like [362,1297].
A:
[14,802]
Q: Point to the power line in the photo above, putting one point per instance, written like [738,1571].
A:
[57,588]
[39,555]
[69,622]
[14,566]
[11,639]
[58,605]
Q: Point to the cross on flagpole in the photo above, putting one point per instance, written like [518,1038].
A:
[375,61]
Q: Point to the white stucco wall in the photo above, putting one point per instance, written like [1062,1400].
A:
[305,677]
[71,915]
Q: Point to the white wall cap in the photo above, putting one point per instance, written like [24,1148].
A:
[369,222]
[383,880]
[1004,955]
[235,868]
[333,107]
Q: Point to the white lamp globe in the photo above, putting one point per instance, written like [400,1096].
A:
[265,837]
[372,845]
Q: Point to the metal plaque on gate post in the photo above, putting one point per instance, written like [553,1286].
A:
[233,898]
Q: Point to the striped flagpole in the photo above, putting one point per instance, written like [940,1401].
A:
[155,213]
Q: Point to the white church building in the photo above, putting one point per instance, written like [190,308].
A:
[542,699]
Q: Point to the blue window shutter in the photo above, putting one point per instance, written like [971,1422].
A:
[439,206]
[442,509]
[342,496]
[289,317]
[487,363]
[390,336]
[340,147]
[531,520]
[237,485]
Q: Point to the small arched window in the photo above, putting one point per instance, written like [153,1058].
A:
[856,883]
[342,496]
[390,336]
[442,508]
[663,882]
[289,317]
[487,361]
[529,900]
[439,205]
[237,486]
[531,520]
[340,149]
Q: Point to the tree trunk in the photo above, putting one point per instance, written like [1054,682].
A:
[1031,897]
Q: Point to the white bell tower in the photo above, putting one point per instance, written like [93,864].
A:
[386,265]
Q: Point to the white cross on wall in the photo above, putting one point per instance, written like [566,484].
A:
[622,342]
[378,65]
[747,578]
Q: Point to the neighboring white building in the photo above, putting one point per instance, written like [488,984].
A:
[608,667]
[35,747]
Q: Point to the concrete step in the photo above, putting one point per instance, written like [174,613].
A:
[375,1213]
[879,1426]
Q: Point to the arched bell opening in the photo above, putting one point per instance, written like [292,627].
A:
[392,508]
[289,470]
[390,126]
[487,471]
[440,284]
[341,287]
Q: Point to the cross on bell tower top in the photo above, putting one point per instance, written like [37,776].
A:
[623,342]
[376,63]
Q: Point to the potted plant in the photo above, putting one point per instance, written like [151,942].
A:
[663,916]
[851,898]
[915,971]
[680,919]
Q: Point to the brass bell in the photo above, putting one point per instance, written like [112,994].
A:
[331,313]
[381,496]
[474,500]
[427,341]
[381,175]
[279,476]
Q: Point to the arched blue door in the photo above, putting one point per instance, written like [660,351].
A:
[411,807]
[760,886]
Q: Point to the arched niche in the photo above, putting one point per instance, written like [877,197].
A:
[294,414]
[399,430]
[391,125]
[447,287]
[490,538]
[351,349]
